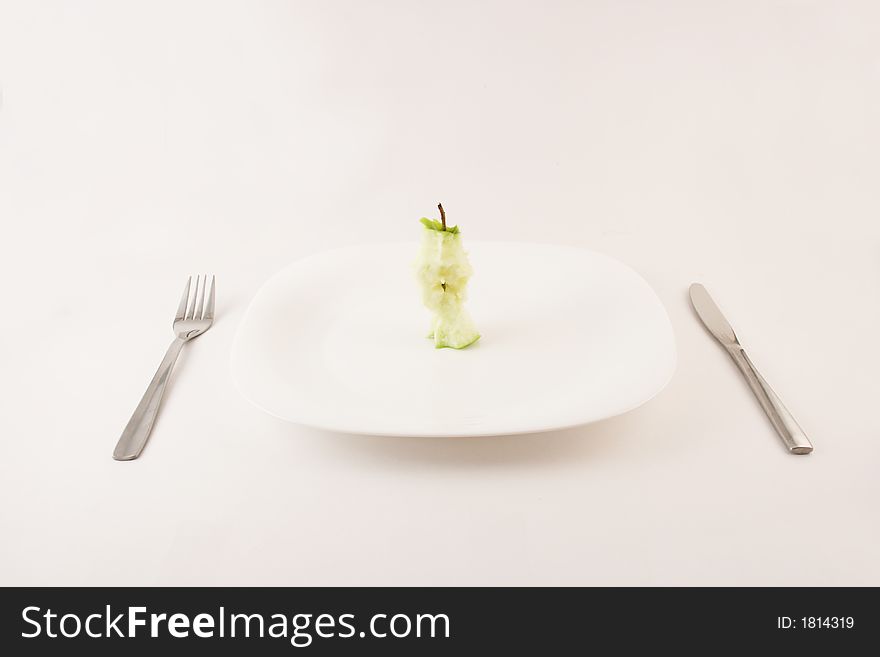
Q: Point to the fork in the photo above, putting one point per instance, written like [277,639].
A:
[193,318]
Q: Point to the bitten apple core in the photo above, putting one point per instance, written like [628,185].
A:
[443,271]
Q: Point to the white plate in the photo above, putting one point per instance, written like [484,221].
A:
[337,341]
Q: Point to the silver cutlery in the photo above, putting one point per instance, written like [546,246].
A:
[194,317]
[792,435]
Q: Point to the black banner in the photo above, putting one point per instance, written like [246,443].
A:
[277,621]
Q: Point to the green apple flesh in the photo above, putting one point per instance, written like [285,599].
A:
[443,271]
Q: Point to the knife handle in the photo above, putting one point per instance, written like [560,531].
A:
[792,435]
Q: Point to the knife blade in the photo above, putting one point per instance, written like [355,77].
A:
[711,316]
[788,429]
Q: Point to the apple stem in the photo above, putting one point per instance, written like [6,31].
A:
[442,215]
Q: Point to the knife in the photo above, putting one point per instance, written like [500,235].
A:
[792,435]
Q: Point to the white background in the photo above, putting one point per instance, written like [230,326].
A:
[733,143]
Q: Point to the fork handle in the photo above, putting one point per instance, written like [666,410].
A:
[138,429]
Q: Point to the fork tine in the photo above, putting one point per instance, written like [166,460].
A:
[192,305]
[201,303]
[209,309]
[181,309]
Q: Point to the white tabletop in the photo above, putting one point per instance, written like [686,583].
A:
[730,143]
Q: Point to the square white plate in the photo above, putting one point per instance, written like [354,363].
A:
[569,336]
